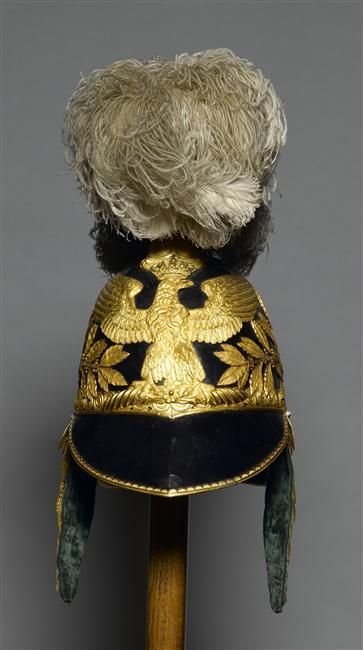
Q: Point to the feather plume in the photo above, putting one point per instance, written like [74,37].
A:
[186,146]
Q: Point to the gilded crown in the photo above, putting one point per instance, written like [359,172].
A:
[177,260]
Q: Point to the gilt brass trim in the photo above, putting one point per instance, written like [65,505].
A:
[205,487]
[194,410]
[64,446]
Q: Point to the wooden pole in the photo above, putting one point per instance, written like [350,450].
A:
[167,573]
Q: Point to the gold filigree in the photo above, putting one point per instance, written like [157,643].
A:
[96,371]
[239,369]
[253,368]
[173,379]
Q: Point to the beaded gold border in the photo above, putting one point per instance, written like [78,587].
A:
[205,487]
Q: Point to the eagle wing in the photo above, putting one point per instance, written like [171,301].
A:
[231,300]
[120,320]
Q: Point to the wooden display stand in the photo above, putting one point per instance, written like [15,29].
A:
[167,573]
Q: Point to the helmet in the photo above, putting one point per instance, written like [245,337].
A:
[180,381]
[181,385]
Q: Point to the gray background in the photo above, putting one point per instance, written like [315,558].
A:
[310,281]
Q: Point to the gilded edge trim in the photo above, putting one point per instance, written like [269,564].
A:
[196,410]
[205,487]
[64,446]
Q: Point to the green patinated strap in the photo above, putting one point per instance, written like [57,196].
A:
[75,505]
[279,516]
